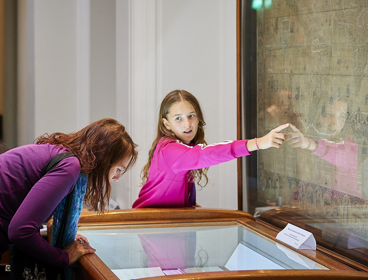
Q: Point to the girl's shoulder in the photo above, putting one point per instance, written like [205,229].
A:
[34,157]
[163,143]
[166,141]
[48,151]
[38,149]
[173,145]
[71,163]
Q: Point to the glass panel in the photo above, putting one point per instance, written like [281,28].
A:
[193,249]
[312,72]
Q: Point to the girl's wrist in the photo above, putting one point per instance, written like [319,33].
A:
[314,145]
[311,145]
[255,141]
[251,145]
[259,143]
[308,144]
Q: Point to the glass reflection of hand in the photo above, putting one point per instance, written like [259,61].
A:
[296,139]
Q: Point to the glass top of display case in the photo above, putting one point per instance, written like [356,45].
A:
[135,253]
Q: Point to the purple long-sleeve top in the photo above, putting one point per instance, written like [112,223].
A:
[27,200]
[168,185]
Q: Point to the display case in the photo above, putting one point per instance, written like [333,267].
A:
[195,244]
[305,63]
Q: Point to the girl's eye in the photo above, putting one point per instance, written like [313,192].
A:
[191,116]
[178,118]
[119,170]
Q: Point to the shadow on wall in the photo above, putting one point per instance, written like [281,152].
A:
[3,147]
[1,127]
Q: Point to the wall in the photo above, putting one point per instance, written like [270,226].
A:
[66,65]
[25,73]
[93,59]
[198,54]
[103,60]
[55,80]
[10,83]
[189,45]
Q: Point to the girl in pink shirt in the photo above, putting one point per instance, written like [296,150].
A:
[179,155]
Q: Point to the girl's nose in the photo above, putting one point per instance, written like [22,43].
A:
[186,122]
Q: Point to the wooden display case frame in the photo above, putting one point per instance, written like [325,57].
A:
[91,266]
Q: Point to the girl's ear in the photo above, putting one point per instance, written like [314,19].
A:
[166,123]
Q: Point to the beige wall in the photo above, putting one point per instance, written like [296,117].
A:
[9,74]
[84,60]
[185,44]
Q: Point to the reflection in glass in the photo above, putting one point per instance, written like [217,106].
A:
[171,250]
[193,249]
[312,72]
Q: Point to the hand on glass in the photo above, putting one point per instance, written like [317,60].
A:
[296,139]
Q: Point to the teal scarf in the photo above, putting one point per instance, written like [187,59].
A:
[73,216]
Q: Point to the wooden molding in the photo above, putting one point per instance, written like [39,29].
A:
[165,214]
[269,274]
[239,113]
[93,268]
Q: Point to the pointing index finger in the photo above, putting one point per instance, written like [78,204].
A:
[281,127]
[293,127]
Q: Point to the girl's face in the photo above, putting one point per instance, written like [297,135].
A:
[182,120]
[117,170]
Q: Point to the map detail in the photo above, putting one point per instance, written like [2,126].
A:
[312,72]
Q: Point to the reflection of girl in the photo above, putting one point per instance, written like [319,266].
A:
[342,153]
[170,250]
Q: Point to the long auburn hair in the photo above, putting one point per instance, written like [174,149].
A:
[169,100]
[98,146]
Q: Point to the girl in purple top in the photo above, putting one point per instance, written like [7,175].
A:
[180,154]
[104,152]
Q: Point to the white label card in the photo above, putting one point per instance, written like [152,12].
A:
[297,237]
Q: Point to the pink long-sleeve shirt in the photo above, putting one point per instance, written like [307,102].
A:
[168,185]
[345,158]
[27,200]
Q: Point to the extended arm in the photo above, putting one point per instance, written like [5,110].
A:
[181,157]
